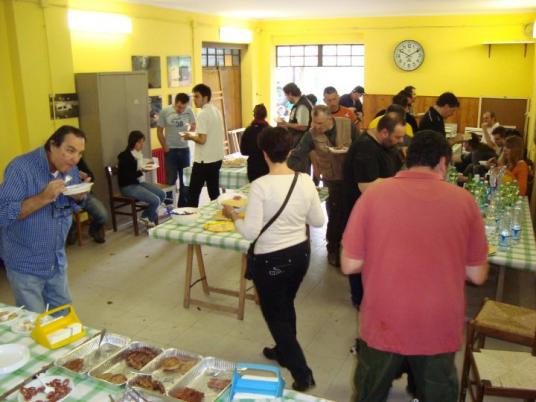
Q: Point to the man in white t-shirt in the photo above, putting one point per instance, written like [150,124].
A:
[208,153]
[489,123]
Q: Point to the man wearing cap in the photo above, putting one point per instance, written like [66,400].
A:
[353,100]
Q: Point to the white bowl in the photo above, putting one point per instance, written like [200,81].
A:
[12,357]
[184,216]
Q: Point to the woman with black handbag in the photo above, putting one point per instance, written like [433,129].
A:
[280,205]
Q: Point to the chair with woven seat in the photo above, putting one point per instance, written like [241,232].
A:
[121,205]
[500,373]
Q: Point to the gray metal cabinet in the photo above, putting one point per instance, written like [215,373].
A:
[111,106]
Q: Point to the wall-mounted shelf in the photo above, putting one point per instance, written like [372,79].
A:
[525,43]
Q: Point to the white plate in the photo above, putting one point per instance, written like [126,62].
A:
[12,357]
[41,396]
[8,310]
[228,196]
[19,326]
[338,151]
[78,188]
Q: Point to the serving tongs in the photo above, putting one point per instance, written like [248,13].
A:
[98,353]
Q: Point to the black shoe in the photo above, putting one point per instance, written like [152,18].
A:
[98,235]
[334,259]
[304,385]
[271,354]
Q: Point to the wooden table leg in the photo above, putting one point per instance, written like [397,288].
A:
[188,275]
[201,268]
[500,283]
[242,291]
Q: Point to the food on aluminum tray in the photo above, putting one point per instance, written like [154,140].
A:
[74,365]
[138,358]
[182,365]
[218,384]
[36,392]
[113,378]
[187,394]
[147,382]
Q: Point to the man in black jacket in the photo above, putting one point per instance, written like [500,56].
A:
[93,206]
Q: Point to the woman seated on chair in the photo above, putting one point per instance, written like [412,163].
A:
[516,168]
[130,175]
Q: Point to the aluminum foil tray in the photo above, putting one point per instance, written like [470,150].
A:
[117,363]
[199,376]
[111,344]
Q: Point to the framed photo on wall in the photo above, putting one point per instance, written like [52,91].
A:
[150,64]
[179,69]
[63,106]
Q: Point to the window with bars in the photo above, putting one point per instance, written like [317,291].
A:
[220,57]
[320,56]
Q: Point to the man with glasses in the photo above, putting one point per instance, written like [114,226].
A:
[35,217]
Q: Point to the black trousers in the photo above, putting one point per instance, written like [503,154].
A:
[277,277]
[204,173]
[336,216]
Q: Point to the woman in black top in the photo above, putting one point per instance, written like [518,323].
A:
[131,181]
[257,166]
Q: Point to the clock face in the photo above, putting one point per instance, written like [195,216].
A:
[409,55]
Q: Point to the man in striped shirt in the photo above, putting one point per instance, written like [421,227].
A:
[35,218]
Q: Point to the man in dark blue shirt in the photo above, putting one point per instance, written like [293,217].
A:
[35,217]
[434,118]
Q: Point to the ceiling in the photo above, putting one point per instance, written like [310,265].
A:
[294,9]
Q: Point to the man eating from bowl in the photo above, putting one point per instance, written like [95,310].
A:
[35,218]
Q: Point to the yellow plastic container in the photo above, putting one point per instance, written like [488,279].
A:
[58,331]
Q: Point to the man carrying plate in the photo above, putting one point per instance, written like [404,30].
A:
[35,218]
[329,137]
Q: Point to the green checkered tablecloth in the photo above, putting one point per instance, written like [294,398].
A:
[523,254]
[195,234]
[230,178]
[86,389]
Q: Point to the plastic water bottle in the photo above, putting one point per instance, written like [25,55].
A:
[516,224]
[505,232]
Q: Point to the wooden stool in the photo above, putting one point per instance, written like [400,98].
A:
[506,322]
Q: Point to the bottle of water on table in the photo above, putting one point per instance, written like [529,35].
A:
[516,224]
[505,232]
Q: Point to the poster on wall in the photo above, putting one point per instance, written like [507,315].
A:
[63,106]
[179,69]
[150,64]
[155,107]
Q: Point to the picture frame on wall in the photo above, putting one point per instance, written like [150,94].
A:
[63,106]
[155,107]
[179,69]
[151,65]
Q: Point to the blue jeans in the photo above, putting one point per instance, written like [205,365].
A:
[148,193]
[96,211]
[35,292]
[176,160]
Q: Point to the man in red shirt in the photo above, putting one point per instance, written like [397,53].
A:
[416,239]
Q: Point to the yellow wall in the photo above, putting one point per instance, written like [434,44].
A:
[455,60]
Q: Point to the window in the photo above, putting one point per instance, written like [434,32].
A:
[220,57]
[314,67]
[320,56]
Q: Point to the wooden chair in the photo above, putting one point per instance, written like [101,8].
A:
[79,219]
[496,372]
[118,202]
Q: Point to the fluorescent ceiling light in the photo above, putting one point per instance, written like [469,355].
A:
[235,35]
[89,21]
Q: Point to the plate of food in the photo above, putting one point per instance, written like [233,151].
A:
[235,200]
[35,390]
[80,188]
[219,226]
[24,325]
[9,314]
[340,149]
[150,164]
[12,357]
[219,216]
[234,162]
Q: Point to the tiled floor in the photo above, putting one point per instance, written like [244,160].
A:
[134,286]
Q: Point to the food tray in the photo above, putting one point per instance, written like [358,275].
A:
[111,344]
[117,364]
[130,396]
[169,378]
[199,376]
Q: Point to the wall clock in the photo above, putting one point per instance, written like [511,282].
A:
[409,55]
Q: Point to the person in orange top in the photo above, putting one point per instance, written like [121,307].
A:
[331,99]
[517,168]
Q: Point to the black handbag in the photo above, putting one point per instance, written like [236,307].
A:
[250,256]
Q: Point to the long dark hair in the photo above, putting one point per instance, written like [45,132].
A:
[133,138]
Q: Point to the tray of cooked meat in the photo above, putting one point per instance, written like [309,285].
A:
[85,357]
[124,365]
[169,367]
[205,382]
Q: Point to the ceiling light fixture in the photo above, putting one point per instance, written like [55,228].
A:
[90,21]
[235,35]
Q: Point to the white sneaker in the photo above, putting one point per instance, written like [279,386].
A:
[148,223]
